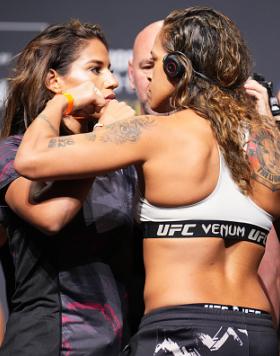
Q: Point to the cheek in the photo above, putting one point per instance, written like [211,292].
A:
[141,79]
[141,83]
[160,94]
[74,79]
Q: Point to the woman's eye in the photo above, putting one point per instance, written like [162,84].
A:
[147,65]
[96,70]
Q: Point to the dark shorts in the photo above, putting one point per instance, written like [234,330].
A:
[197,330]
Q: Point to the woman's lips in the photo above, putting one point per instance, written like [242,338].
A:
[110,97]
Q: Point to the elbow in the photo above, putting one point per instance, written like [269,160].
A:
[55,220]
[26,166]
[51,227]
[50,231]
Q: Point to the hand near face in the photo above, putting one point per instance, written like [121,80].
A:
[114,111]
[257,90]
[88,100]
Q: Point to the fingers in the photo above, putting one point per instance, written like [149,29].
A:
[256,94]
[259,92]
[254,88]
[98,98]
[115,111]
[86,94]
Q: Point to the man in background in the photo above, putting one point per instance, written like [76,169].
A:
[141,64]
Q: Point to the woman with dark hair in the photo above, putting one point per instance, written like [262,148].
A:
[70,289]
[210,187]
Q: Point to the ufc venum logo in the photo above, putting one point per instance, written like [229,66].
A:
[224,230]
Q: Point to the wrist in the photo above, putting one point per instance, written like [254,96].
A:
[70,103]
[58,101]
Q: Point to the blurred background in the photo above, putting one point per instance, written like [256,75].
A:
[21,20]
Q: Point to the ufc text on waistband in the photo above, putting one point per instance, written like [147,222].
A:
[228,230]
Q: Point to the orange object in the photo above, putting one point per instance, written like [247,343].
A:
[70,105]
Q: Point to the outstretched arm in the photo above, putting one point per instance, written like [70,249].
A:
[44,155]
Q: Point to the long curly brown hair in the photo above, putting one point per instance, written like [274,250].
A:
[211,44]
[57,47]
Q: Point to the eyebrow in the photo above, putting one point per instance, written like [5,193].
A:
[96,61]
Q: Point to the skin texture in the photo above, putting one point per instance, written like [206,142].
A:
[141,64]
[221,272]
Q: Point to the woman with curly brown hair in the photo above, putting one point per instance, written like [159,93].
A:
[210,187]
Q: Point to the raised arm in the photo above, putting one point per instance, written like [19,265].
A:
[44,155]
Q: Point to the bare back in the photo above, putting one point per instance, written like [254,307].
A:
[197,269]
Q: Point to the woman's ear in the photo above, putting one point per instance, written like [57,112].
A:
[53,82]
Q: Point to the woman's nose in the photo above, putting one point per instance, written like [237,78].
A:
[110,81]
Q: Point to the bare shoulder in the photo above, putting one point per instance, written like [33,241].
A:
[263,150]
[195,130]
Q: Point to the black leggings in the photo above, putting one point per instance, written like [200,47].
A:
[197,330]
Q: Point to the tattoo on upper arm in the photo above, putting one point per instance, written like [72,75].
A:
[123,131]
[264,155]
[61,142]
[45,118]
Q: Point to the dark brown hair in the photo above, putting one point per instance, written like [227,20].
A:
[212,45]
[54,48]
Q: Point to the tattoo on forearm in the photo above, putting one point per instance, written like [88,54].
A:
[264,154]
[123,131]
[45,118]
[60,142]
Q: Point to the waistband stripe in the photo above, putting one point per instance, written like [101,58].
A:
[231,230]
[236,308]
